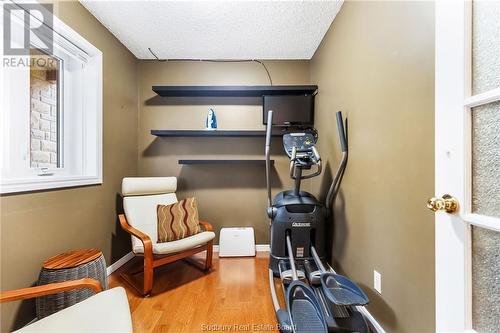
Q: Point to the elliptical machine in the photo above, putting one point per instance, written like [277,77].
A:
[317,299]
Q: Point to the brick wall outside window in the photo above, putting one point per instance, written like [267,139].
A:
[43,120]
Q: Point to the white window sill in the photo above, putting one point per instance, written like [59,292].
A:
[46,182]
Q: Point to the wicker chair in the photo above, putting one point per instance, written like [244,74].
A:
[142,195]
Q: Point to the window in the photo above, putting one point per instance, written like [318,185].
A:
[51,108]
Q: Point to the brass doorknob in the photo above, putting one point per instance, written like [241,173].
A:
[447,203]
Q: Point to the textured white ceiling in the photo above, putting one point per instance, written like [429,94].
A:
[217,29]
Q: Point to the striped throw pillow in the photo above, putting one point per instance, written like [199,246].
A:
[178,220]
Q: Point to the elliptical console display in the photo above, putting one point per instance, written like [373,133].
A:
[317,299]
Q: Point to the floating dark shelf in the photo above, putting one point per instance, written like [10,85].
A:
[210,133]
[209,162]
[232,91]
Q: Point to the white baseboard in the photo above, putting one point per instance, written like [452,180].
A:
[258,248]
[123,260]
[262,248]
[373,322]
[119,263]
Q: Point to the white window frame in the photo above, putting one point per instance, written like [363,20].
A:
[88,170]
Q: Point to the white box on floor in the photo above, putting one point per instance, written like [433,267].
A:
[237,242]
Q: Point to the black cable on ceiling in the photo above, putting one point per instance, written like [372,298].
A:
[218,60]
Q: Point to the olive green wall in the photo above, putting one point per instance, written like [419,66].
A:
[228,196]
[37,225]
[376,64]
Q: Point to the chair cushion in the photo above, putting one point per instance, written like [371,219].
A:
[107,311]
[178,245]
[178,220]
[141,213]
[148,185]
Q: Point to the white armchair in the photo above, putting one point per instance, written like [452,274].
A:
[141,196]
[107,311]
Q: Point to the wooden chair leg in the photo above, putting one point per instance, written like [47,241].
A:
[208,260]
[148,274]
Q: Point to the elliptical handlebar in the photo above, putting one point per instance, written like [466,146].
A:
[334,187]
[317,161]
[268,158]
[292,162]
[342,133]
[317,157]
[319,168]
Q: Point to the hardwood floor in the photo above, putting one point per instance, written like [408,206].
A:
[185,299]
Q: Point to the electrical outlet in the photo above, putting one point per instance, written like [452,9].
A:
[377,281]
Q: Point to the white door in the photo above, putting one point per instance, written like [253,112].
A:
[468,165]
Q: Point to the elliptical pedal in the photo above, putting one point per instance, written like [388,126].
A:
[306,318]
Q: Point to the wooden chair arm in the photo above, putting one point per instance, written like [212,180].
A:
[207,226]
[145,239]
[48,289]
